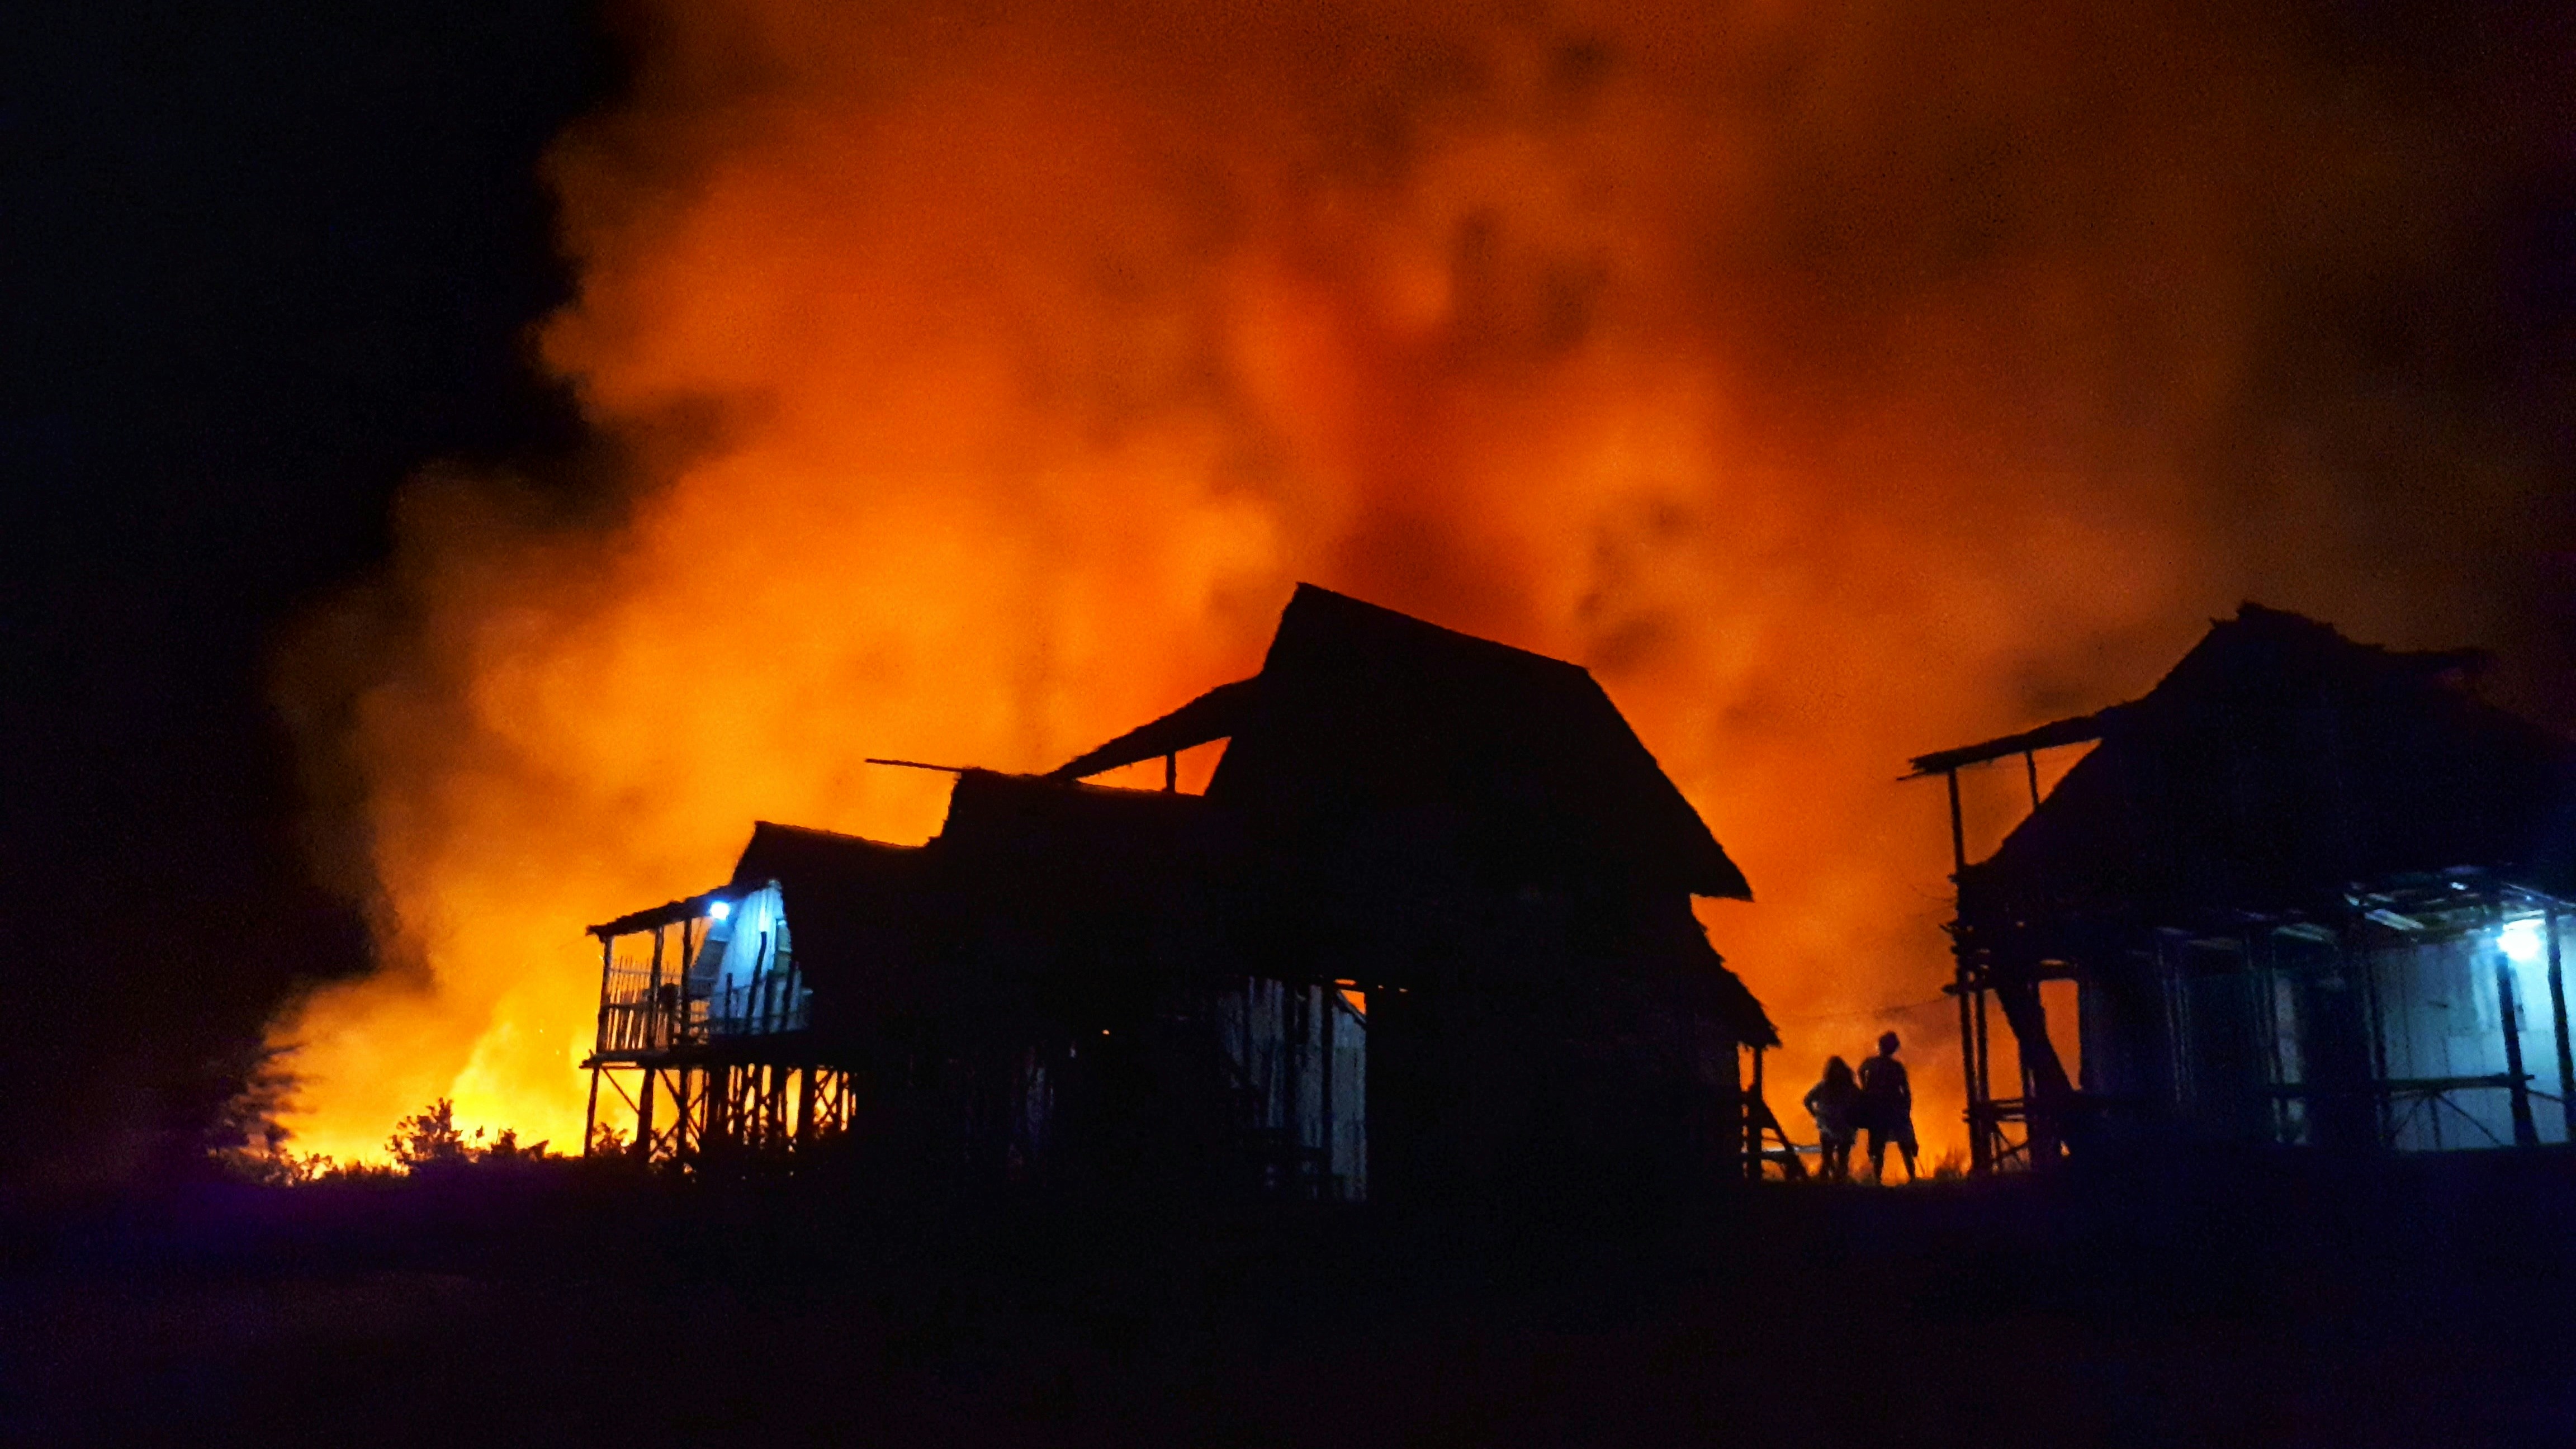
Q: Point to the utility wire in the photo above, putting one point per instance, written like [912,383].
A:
[1868,1014]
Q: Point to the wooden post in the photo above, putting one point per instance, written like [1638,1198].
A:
[653,996]
[2045,1090]
[1172,772]
[607,959]
[1984,1088]
[2525,1132]
[2383,1106]
[1958,831]
[1753,1123]
[2558,1021]
[2030,767]
[1329,997]
[1971,1012]
[644,1117]
[598,1044]
[1968,1070]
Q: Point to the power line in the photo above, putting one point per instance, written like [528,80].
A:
[1869,1013]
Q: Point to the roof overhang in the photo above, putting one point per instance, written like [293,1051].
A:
[688,908]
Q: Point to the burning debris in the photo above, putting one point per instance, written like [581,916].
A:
[1427,932]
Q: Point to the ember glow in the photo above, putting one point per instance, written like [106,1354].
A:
[1837,384]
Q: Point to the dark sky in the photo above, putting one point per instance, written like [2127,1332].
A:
[261,262]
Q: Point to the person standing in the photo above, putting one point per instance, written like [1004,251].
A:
[1887,1108]
[1835,1104]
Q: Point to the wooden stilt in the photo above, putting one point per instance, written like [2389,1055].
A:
[2558,1024]
[2526,1133]
[644,1118]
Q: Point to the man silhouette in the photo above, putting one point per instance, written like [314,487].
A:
[1887,1109]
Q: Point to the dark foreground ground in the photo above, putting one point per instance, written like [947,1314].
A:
[2423,1305]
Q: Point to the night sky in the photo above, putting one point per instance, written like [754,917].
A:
[263,263]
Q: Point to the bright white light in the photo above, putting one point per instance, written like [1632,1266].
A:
[720,909]
[2522,941]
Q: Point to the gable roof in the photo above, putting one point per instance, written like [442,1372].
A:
[1387,783]
[2279,761]
[857,910]
[1081,870]
[1360,713]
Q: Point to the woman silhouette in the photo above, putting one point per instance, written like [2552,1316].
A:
[1834,1103]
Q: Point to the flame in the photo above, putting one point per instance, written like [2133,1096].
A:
[1836,384]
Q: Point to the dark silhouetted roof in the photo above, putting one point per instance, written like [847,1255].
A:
[1218,714]
[2278,761]
[1027,876]
[856,906]
[1360,714]
[1082,874]
[1399,805]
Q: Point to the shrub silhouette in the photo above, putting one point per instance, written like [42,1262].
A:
[429,1139]
[426,1141]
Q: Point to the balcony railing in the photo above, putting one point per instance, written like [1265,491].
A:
[639,1014]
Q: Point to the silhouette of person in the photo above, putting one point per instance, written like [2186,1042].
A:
[1835,1104]
[1887,1108]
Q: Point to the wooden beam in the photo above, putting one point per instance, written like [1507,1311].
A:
[1968,1071]
[2558,1021]
[2525,1132]
[644,1118]
[1958,830]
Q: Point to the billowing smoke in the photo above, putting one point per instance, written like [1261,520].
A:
[1837,382]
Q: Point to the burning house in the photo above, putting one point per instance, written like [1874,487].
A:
[2308,892]
[1427,931]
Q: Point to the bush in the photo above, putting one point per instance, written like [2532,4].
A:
[276,1165]
[426,1141]
[430,1140]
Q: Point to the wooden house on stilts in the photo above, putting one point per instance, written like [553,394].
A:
[1428,933]
[2310,893]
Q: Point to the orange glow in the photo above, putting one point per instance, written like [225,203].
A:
[1831,385]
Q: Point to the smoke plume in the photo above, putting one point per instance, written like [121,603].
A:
[1837,382]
